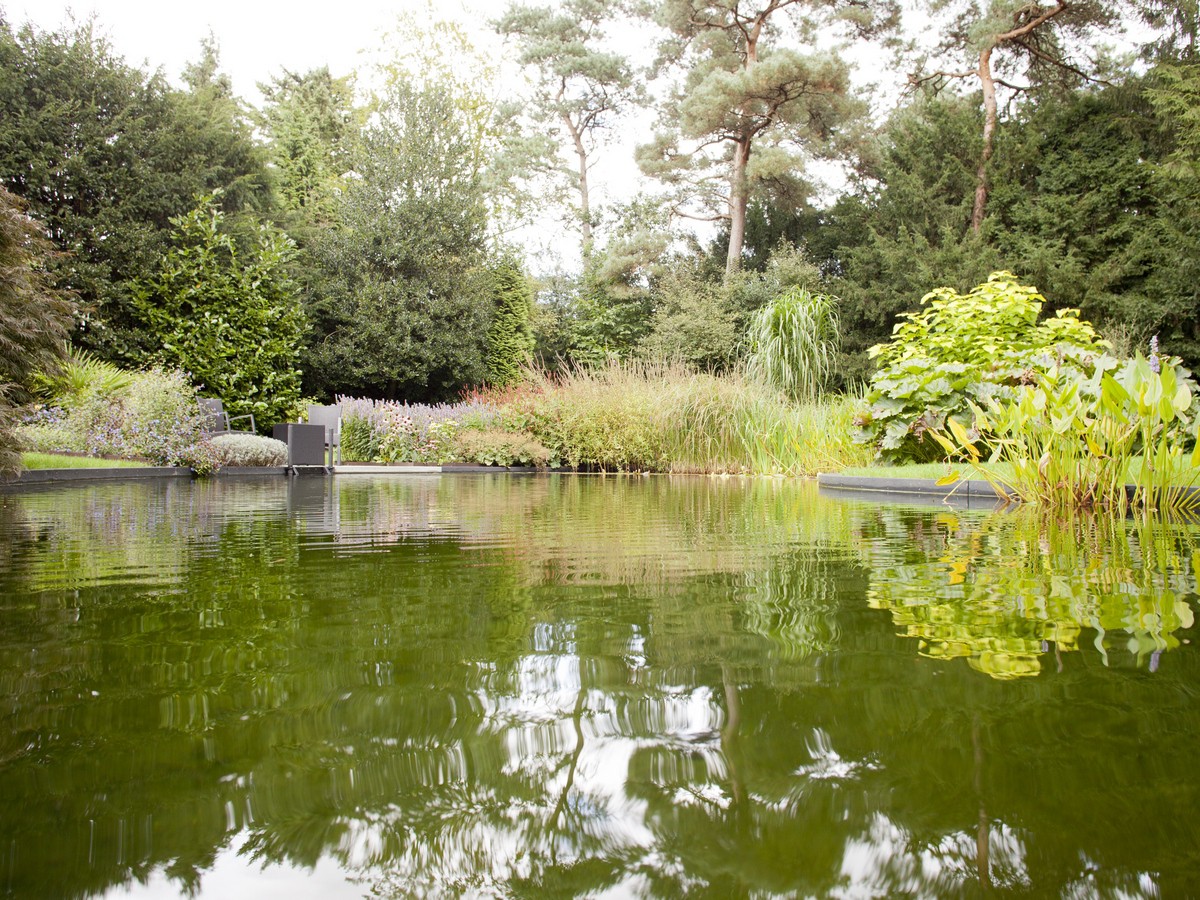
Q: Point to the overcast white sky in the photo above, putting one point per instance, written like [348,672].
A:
[257,37]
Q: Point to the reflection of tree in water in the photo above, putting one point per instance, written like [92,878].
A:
[1005,590]
[553,691]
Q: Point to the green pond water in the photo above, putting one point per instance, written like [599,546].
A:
[494,686]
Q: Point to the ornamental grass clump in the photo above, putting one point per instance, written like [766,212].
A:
[603,419]
[658,417]
[793,341]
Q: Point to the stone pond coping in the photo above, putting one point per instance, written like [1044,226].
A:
[67,476]
[973,494]
[51,476]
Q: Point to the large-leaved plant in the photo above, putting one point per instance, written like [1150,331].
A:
[962,350]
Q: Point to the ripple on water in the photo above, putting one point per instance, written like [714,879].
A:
[572,686]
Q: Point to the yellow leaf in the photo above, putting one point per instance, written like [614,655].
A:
[960,435]
[945,444]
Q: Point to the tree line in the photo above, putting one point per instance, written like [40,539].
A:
[348,236]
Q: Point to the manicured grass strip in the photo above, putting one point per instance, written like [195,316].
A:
[934,471]
[61,461]
[930,471]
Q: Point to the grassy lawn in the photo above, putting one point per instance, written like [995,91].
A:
[931,471]
[60,461]
[934,471]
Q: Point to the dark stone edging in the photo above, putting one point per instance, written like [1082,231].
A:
[924,486]
[52,476]
[82,475]
[971,494]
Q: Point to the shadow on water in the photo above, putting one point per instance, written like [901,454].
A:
[559,686]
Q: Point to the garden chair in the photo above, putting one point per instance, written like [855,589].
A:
[216,421]
[331,418]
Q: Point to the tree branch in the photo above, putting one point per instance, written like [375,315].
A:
[1033,24]
[916,80]
[1062,64]
[1012,87]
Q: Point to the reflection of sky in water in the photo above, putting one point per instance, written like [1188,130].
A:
[234,875]
[434,688]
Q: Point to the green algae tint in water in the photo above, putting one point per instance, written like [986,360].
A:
[605,687]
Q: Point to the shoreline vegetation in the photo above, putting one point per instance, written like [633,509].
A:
[1052,418]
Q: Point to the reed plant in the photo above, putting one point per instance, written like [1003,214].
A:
[604,418]
[1074,443]
[662,417]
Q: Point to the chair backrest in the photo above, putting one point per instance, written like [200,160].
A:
[331,418]
[215,417]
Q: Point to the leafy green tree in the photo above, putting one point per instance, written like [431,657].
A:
[694,320]
[399,295]
[1177,26]
[616,292]
[227,314]
[105,155]
[907,227]
[510,337]
[1171,252]
[752,109]
[211,114]
[309,121]
[432,50]
[581,87]
[1075,212]
[34,319]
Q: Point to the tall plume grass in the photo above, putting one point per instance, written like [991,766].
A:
[792,341]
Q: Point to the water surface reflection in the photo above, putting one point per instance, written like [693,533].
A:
[586,687]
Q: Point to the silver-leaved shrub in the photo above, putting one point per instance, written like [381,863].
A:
[247,450]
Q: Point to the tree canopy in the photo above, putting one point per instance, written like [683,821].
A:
[1018,141]
[399,294]
[753,104]
[34,318]
[580,88]
[105,154]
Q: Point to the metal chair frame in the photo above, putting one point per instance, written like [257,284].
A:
[214,412]
[331,418]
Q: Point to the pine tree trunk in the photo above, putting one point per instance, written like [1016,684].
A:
[737,206]
[989,134]
[585,204]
